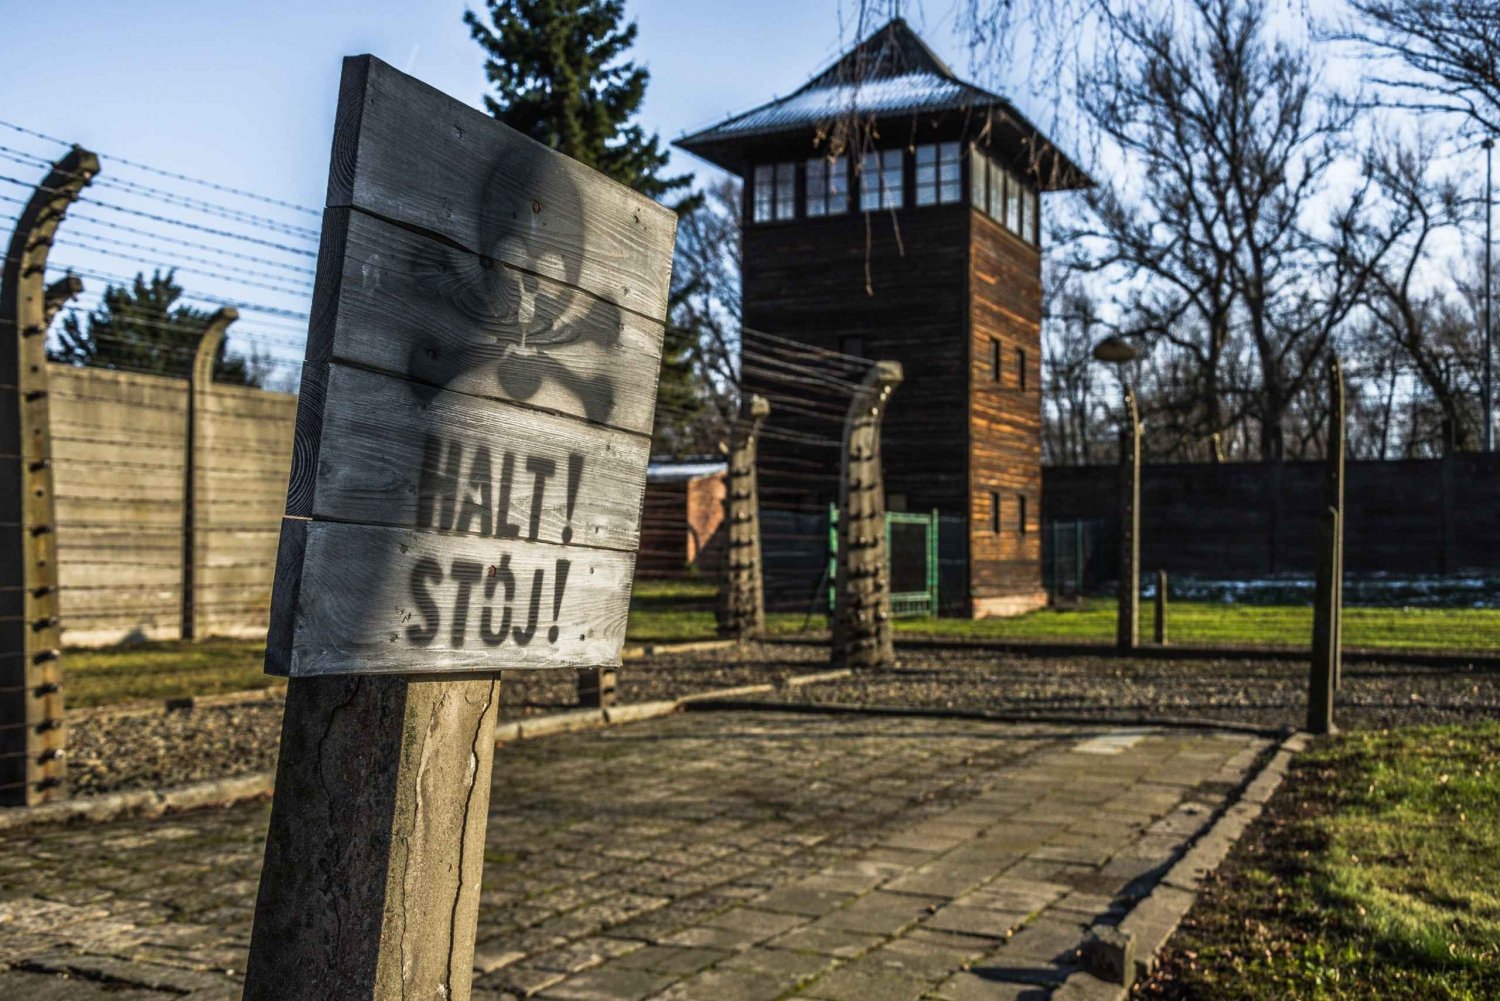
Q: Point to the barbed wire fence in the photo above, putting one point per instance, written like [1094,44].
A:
[157,534]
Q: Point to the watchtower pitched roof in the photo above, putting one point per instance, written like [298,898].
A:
[891,72]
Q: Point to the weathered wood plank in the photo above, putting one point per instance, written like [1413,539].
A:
[426,311]
[414,459]
[377,600]
[407,152]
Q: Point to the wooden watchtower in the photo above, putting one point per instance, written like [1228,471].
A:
[892,210]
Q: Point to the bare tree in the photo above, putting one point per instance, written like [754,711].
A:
[1435,55]
[1071,399]
[1415,313]
[1228,137]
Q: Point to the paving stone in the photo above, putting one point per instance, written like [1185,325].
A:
[825,941]
[612,983]
[725,985]
[749,920]
[800,899]
[941,879]
[881,913]
[985,921]
[971,986]
[687,857]
[923,960]
[789,967]
[858,982]
[680,960]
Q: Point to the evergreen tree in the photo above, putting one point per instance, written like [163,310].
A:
[560,75]
[142,328]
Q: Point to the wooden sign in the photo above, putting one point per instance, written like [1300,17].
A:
[477,400]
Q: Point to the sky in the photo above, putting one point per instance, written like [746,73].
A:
[243,94]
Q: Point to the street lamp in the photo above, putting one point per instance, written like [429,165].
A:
[1115,350]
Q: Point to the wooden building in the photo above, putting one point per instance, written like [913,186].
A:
[682,520]
[893,211]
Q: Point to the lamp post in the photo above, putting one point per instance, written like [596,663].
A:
[1117,351]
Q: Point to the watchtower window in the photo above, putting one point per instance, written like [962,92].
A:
[880,180]
[786,191]
[1021,369]
[939,180]
[764,191]
[994,360]
[994,512]
[978,180]
[1021,513]
[827,186]
[1015,211]
[997,193]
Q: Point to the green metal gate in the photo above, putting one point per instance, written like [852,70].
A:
[911,561]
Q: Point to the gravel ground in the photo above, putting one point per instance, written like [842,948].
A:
[1265,693]
[112,751]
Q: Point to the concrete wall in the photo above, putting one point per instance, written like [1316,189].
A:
[119,444]
[1247,520]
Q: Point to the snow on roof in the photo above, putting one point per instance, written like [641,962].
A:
[676,472]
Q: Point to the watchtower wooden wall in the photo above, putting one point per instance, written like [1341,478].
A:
[805,279]
[1005,420]
[945,280]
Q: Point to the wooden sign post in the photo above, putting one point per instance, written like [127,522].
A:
[470,462]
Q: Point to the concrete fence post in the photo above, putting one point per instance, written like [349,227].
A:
[1128,617]
[1323,669]
[862,594]
[200,382]
[1337,445]
[742,606]
[60,292]
[32,736]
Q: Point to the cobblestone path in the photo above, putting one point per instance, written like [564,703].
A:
[708,856]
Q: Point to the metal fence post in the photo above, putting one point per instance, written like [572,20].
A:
[32,737]
[862,612]
[742,605]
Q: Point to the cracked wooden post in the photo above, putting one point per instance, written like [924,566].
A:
[1161,608]
[862,594]
[200,382]
[468,470]
[742,604]
[33,740]
[1337,445]
[1128,615]
[1323,668]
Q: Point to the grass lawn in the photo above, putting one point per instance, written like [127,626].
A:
[1458,629]
[162,671]
[678,611]
[1374,873]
